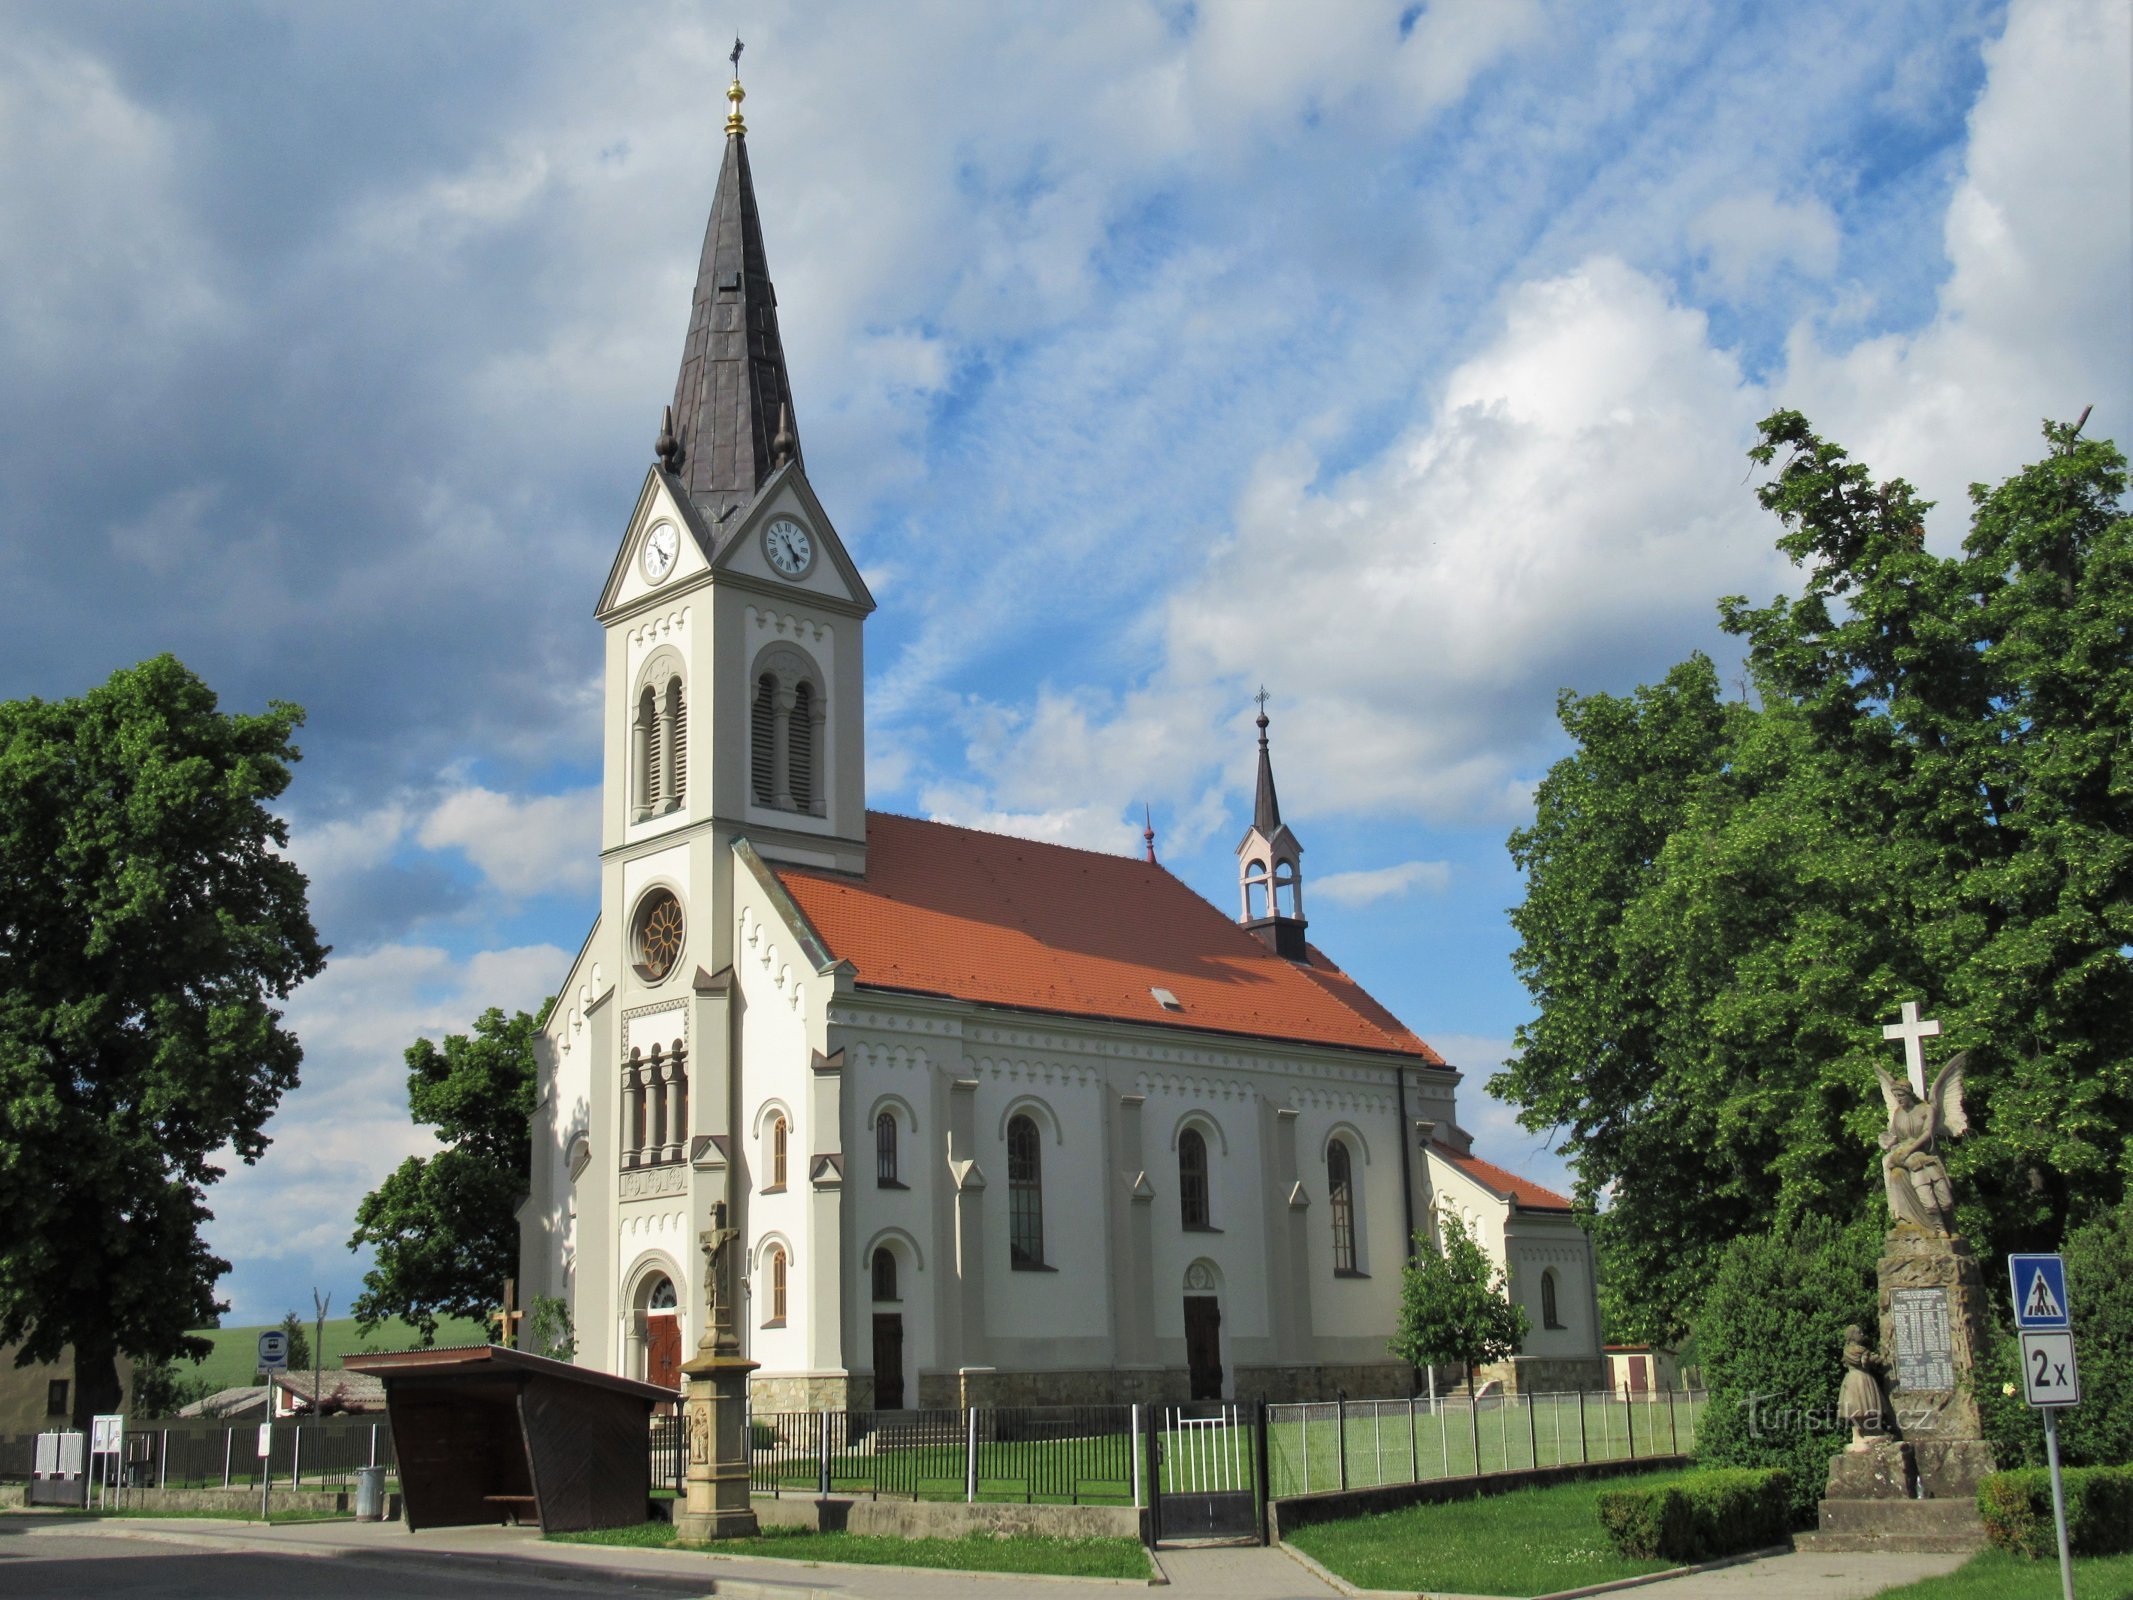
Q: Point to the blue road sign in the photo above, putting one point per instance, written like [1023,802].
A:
[2039,1291]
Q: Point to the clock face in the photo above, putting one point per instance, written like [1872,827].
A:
[661,545]
[789,548]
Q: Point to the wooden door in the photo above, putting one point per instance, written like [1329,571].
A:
[1640,1380]
[1203,1346]
[888,1361]
[662,1351]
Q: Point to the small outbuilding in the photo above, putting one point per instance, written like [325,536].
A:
[488,1434]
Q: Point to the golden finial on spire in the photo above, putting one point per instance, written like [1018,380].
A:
[735,94]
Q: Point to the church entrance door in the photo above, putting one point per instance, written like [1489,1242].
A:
[662,1351]
[888,1361]
[1203,1345]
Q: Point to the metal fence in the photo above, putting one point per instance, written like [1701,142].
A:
[213,1455]
[1053,1455]
[1358,1444]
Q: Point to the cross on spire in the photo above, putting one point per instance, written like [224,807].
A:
[1913,1030]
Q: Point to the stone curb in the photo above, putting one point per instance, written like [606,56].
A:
[584,1569]
[1342,1585]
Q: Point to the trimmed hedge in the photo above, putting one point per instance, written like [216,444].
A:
[1720,1511]
[2017,1508]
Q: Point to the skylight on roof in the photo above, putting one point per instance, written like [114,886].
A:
[1167,1000]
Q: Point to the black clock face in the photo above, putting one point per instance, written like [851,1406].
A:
[788,547]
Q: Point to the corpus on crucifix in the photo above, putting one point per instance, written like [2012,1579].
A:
[717,1240]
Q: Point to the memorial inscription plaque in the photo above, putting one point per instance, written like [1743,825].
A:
[1925,1357]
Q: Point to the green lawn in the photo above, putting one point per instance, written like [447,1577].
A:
[1995,1575]
[1531,1541]
[975,1552]
[236,1351]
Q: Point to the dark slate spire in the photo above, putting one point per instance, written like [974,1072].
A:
[1266,809]
[732,415]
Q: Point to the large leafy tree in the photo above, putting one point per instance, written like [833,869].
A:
[1929,795]
[147,924]
[444,1226]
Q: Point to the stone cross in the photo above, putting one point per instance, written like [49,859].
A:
[507,1316]
[1913,1031]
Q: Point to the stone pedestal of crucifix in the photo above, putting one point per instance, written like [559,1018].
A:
[1911,1473]
[715,1501]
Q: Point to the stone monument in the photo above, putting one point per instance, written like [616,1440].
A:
[1908,1480]
[716,1504]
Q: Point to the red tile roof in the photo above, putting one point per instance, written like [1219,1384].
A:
[997,920]
[1524,1192]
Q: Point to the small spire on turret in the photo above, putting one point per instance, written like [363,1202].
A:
[1270,864]
[735,94]
[1148,831]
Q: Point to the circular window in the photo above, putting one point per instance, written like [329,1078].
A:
[658,937]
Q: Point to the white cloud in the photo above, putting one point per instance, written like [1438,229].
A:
[347,1125]
[523,846]
[1380,883]
[1748,235]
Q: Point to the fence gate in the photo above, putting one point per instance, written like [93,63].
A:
[1207,1473]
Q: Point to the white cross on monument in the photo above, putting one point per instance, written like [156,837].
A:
[1913,1031]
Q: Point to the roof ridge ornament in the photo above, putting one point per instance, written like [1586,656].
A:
[785,442]
[735,94]
[668,447]
[1148,831]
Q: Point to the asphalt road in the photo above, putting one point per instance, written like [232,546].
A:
[34,1566]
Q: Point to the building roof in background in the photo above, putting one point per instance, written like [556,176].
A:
[227,1402]
[997,920]
[344,1391]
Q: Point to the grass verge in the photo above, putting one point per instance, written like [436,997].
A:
[1996,1575]
[973,1552]
[1530,1541]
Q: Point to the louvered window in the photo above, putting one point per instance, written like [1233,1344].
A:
[678,760]
[800,741]
[648,751]
[763,741]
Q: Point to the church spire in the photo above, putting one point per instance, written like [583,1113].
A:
[732,414]
[1270,865]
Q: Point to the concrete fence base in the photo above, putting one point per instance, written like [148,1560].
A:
[947,1519]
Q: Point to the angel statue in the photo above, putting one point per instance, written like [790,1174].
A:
[1911,1168]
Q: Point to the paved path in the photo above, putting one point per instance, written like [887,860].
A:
[215,1560]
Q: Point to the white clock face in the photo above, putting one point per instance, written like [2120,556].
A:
[789,548]
[661,545]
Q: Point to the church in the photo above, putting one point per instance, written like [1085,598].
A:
[996,1121]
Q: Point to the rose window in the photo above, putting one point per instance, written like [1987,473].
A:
[659,931]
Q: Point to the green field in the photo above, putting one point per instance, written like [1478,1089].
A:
[231,1364]
[1531,1541]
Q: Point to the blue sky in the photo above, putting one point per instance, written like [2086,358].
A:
[1402,358]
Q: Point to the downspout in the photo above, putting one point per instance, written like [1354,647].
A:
[1407,1179]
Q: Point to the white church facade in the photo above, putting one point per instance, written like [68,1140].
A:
[996,1121]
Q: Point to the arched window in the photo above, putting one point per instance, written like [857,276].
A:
[778,1141]
[885,1151]
[1285,904]
[645,735]
[1256,904]
[1192,1178]
[662,1297]
[1025,1196]
[800,743]
[885,1274]
[1549,1318]
[777,1289]
[1340,1200]
[763,740]
[677,743]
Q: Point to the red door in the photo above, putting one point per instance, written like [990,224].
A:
[1639,1375]
[662,1351]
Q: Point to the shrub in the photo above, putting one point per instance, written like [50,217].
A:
[2017,1508]
[2099,1431]
[1771,1338]
[1718,1512]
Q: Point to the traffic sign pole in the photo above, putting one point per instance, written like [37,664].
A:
[2051,1453]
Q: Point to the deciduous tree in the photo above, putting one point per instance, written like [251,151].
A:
[148,923]
[1455,1309]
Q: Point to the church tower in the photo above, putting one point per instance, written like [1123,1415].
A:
[1270,866]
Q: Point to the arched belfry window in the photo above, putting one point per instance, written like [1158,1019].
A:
[677,743]
[1340,1200]
[1025,1195]
[1256,902]
[659,740]
[1192,1179]
[1550,1318]
[885,1274]
[1286,902]
[785,732]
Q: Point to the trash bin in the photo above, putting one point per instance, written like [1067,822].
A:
[370,1494]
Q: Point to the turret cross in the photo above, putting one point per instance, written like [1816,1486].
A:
[1913,1031]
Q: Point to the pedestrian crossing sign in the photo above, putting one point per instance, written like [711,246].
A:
[2039,1284]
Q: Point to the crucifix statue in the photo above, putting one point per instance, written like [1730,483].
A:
[507,1316]
[717,1241]
[1911,1168]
